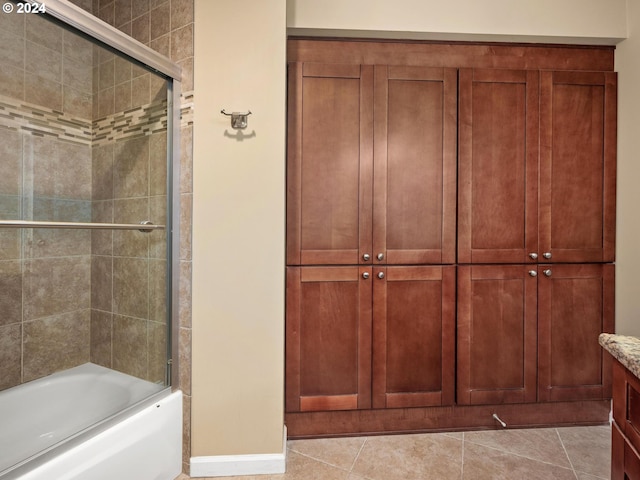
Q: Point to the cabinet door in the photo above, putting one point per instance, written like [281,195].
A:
[330,160]
[575,305]
[413,336]
[328,338]
[577,166]
[415,165]
[496,334]
[498,166]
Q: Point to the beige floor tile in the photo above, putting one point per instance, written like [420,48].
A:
[541,444]
[484,463]
[410,457]
[339,452]
[589,449]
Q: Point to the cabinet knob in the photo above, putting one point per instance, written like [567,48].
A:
[365,275]
[366,257]
[533,256]
[380,256]
[381,275]
[547,255]
[547,273]
[533,273]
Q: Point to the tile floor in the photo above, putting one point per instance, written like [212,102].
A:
[572,453]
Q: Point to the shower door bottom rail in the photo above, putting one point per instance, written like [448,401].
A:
[144,226]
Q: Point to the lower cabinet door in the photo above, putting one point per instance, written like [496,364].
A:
[496,334]
[328,338]
[413,336]
[575,305]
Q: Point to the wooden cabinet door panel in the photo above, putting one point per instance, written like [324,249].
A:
[575,305]
[328,338]
[330,162]
[577,166]
[415,165]
[496,334]
[498,166]
[414,335]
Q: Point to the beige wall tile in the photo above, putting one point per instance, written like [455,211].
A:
[101,337]
[181,13]
[56,285]
[130,346]
[12,53]
[122,12]
[10,292]
[102,240]
[140,28]
[78,75]
[107,74]
[77,48]
[11,155]
[185,294]
[131,286]
[139,7]
[123,97]
[140,90]
[157,352]
[102,172]
[56,343]
[158,238]
[77,103]
[43,62]
[130,243]
[158,163]
[160,20]
[102,283]
[10,355]
[162,44]
[182,43]
[13,23]
[131,168]
[157,291]
[12,82]
[43,32]
[122,70]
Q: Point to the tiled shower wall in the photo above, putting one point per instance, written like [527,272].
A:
[45,132]
[72,324]
[167,27]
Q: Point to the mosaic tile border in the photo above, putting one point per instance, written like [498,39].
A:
[136,122]
[35,120]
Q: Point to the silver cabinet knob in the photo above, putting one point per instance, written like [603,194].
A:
[533,256]
[547,255]
[380,256]
[381,275]
[547,273]
[365,275]
[533,273]
[366,257]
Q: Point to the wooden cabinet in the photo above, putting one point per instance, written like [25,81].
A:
[343,320]
[330,164]
[371,185]
[625,430]
[509,212]
[414,201]
[497,337]
[498,166]
[450,216]
[575,305]
[530,333]
[577,166]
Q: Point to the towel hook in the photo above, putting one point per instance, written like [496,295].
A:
[238,119]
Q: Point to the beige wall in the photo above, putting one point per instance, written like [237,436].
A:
[238,228]
[565,21]
[628,217]
[238,223]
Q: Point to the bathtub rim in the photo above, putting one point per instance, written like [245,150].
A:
[42,457]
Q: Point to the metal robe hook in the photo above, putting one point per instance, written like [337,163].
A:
[238,120]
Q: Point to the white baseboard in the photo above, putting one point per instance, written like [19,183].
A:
[232,465]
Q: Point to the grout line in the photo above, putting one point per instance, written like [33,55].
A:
[566,453]
[462,459]
[358,455]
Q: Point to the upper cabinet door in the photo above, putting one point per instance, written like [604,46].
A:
[414,204]
[498,166]
[577,166]
[330,164]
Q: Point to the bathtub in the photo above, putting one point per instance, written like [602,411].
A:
[90,423]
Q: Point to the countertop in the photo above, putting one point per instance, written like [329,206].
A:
[624,349]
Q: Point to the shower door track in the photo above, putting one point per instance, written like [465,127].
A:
[142,226]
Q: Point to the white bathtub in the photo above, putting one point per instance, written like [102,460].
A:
[90,423]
